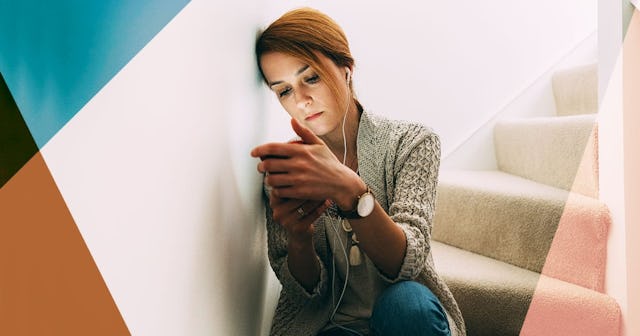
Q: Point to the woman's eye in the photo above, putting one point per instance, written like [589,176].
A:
[313,79]
[284,92]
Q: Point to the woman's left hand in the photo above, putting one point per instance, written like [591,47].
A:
[306,170]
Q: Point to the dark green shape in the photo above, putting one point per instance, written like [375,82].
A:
[16,143]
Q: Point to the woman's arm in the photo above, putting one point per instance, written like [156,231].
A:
[292,257]
[380,237]
[398,242]
[412,198]
[297,218]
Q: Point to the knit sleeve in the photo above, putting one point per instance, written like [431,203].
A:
[416,167]
[293,294]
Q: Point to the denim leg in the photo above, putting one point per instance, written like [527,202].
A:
[408,308]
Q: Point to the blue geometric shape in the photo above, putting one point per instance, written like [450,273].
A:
[56,55]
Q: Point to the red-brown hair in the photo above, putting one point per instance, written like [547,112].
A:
[302,33]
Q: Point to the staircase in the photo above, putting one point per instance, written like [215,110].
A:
[523,248]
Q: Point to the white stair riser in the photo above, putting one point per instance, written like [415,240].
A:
[575,90]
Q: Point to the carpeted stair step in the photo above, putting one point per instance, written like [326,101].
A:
[576,90]
[514,220]
[558,151]
[515,300]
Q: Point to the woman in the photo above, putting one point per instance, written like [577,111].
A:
[350,204]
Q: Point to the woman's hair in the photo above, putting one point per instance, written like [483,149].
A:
[302,33]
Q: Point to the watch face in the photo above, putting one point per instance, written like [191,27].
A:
[365,204]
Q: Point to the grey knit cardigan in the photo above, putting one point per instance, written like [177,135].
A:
[399,161]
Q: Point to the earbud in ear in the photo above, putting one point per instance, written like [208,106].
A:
[348,76]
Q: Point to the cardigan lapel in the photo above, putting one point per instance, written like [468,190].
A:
[372,147]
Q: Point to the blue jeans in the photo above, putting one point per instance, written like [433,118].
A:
[408,308]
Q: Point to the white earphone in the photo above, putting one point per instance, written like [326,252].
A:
[344,249]
[344,119]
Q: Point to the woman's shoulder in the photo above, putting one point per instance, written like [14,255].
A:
[400,132]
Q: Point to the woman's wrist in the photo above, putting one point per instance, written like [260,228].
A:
[300,242]
[303,263]
[347,198]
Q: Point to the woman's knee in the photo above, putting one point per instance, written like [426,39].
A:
[408,308]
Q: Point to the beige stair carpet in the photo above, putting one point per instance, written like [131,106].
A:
[486,290]
[559,308]
[578,253]
[521,302]
[514,220]
[550,150]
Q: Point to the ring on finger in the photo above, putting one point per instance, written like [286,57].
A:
[300,211]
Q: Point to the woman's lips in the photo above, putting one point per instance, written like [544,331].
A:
[313,116]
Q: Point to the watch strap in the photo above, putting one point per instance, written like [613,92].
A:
[353,214]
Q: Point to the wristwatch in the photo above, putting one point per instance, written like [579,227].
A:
[366,203]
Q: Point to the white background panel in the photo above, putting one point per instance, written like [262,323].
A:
[156,172]
[155,168]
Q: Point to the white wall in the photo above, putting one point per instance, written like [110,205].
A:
[536,100]
[155,170]
[450,65]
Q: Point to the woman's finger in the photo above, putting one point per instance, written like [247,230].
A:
[301,191]
[280,180]
[317,207]
[307,208]
[277,202]
[296,212]
[300,207]
[299,220]
[276,149]
[305,133]
[276,165]
[283,208]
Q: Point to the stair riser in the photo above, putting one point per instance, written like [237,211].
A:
[576,90]
[554,152]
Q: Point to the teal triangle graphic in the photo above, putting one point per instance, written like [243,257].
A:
[56,55]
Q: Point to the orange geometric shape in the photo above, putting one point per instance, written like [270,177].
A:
[49,282]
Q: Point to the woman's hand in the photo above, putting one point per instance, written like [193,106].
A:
[297,216]
[307,170]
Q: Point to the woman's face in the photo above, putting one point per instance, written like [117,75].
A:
[302,93]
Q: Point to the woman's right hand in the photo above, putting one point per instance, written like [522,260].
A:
[297,216]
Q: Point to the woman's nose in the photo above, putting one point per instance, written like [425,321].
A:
[303,100]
